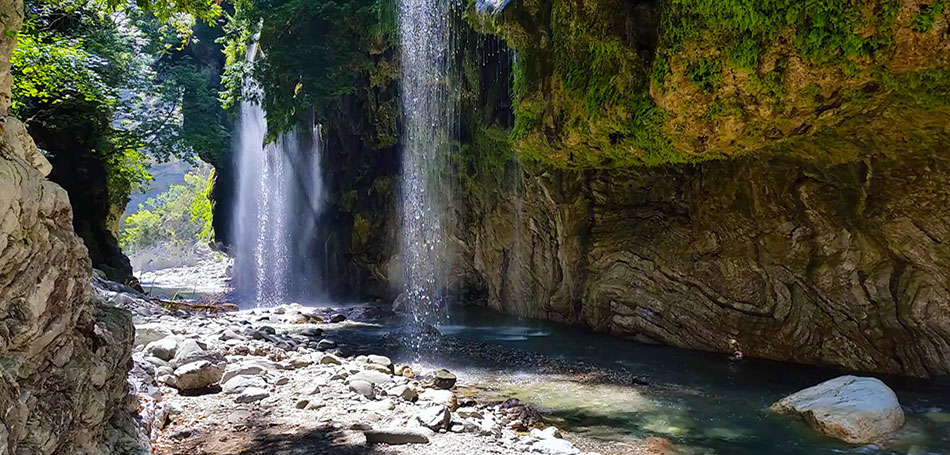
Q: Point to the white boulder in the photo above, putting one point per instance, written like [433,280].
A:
[850,408]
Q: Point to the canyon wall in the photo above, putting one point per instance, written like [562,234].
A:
[767,178]
[843,264]
[63,355]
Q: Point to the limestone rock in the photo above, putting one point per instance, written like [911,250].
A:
[435,417]
[854,409]
[363,388]
[251,394]
[198,375]
[65,355]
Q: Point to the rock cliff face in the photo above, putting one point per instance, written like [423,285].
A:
[832,264]
[63,356]
[760,178]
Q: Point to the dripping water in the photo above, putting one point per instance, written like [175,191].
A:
[428,111]
[279,203]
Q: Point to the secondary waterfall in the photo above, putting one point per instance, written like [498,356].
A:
[428,109]
[279,202]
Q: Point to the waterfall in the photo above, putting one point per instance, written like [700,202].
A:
[279,202]
[428,112]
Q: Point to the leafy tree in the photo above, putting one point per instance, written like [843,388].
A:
[178,218]
[93,82]
[311,53]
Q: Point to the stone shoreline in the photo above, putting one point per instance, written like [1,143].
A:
[266,381]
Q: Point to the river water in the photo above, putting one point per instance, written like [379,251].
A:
[611,389]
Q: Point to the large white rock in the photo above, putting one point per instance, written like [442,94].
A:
[850,408]
[198,375]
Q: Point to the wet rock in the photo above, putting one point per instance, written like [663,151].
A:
[312,332]
[854,409]
[364,388]
[198,375]
[397,436]
[336,318]
[443,379]
[326,344]
[330,359]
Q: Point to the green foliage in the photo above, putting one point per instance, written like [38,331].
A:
[172,10]
[825,30]
[94,82]
[180,217]
[311,54]
[924,21]
[705,74]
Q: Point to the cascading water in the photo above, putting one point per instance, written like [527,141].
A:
[429,111]
[279,201]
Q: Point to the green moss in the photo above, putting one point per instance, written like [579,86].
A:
[767,72]
[924,21]
[360,233]
[706,74]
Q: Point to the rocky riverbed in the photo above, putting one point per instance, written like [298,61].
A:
[298,380]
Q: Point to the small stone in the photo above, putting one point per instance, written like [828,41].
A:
[547,433]
[311,332]
[382,361]
[363,388]
[469,413]
[326,344]
[379,368]
[229,334]
[302,404]
[251,394]
[396,436]
[443,380]
[405,371]
[435,417]
[554,446]
[164,349]
[443,397]
[374,377]
[335,318]
[404,392]
[298,362]
[238,384]
[330,359]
